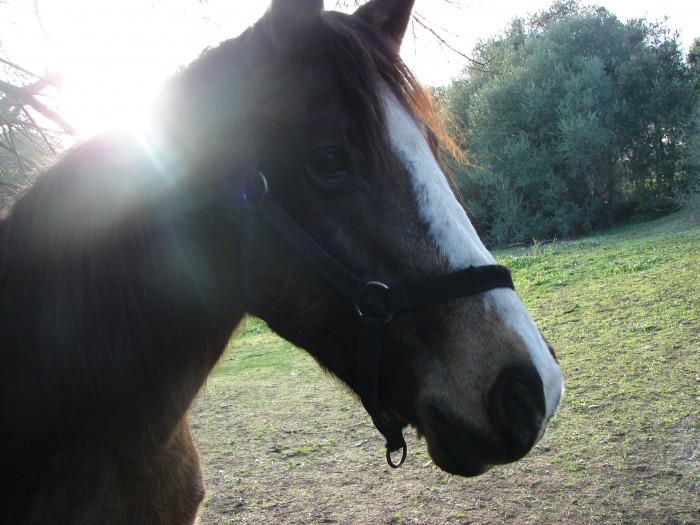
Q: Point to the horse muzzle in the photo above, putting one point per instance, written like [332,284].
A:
[515,420]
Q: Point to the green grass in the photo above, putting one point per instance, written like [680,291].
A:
[622,311]
[255,353]
[624,305]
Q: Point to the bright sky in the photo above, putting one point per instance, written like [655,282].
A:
[115,54]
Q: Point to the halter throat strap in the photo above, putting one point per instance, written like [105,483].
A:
[375,303]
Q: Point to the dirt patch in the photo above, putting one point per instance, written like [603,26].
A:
[297,449]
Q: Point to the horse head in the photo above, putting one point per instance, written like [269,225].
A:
[335,143]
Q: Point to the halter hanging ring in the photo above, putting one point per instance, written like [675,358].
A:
[404,453]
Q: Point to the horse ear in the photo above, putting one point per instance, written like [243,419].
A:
[289,18]
[391,16]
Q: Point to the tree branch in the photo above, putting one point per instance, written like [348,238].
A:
[9,139]
[39,130]
[18,68]
[12,186]
[25,96]
[420,20]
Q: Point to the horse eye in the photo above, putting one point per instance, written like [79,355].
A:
[329,164]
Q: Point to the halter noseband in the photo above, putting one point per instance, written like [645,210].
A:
[375,302]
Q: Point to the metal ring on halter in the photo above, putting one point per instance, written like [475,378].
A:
[404,452]
[381,286]
[266,186]
[253,194]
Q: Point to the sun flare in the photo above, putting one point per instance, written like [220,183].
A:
[113,57]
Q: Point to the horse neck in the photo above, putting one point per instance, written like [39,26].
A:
[116,302]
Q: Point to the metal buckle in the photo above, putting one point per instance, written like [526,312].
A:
[381,303]
[254,190]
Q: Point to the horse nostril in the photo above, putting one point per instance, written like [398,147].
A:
[517,408]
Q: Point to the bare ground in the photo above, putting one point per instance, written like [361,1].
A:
[282,443]
[295,448]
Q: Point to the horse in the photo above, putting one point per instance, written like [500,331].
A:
[293,174]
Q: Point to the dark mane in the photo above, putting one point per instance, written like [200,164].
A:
[356,46]
[361,55]
[112,227]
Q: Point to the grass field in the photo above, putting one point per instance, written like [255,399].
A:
[282,443]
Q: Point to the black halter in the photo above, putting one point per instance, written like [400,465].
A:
[375,302]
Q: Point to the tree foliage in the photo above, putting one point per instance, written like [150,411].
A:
[31,129]
[577,121]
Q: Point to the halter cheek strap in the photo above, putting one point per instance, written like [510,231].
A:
[375,303]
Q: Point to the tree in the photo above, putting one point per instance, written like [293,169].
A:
[692,159]
[578,120]
[30,130]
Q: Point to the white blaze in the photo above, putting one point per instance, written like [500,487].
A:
[449,225]
[455,237]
